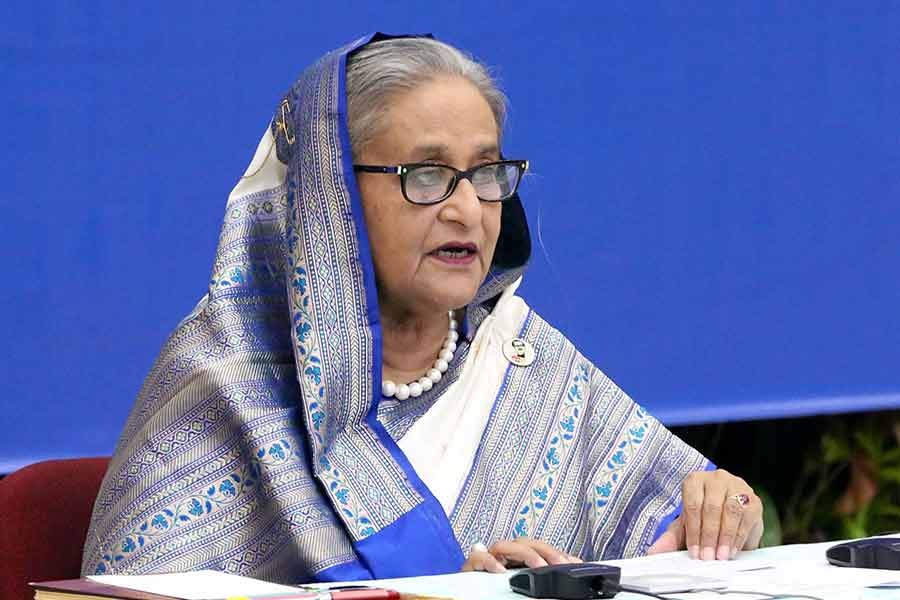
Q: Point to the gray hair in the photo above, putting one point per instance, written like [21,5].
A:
[382,69]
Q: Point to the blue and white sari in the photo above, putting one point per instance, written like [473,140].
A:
[260,443]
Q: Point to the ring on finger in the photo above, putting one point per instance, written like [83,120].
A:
[742,499]
[479,547]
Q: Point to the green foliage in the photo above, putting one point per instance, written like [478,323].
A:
[849,485]
[772,535]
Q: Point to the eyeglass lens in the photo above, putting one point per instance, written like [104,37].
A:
[429,183]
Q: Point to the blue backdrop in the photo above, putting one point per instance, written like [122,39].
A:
[714,199]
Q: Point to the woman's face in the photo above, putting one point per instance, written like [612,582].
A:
[445,121]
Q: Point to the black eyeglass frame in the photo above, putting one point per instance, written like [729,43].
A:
[403,170]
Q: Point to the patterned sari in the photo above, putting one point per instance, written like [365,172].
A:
[260,443]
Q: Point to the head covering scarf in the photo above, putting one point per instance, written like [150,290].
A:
[257,443]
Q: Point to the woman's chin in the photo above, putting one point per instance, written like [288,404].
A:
[450,297]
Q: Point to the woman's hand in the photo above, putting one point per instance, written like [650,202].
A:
[520,552]
[721,516]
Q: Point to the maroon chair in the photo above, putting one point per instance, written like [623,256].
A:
[45,509]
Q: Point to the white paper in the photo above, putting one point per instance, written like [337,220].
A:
[679,563]
[783,570]
[195,585]
[671,583]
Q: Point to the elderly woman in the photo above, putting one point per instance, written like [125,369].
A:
[361,393]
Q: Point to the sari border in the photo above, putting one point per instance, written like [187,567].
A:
[406,533]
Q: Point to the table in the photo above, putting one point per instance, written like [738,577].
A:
[795,568]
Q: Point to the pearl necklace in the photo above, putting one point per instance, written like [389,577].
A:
[423,384]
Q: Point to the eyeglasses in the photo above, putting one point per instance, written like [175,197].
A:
[428,183]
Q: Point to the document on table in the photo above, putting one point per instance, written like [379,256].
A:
[677,573]
[679,563]
[195,585]
[822,580]
[766,572]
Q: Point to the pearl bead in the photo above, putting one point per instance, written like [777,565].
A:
[425,383]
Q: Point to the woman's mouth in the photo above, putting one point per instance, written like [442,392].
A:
[455,253]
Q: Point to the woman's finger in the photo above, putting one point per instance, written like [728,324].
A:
[483,561]
[733,522]
[692,510]
[756,533]
[751,529]
[715,490]
[514,552]
[548,552]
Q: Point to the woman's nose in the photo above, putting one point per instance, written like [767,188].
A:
[463,205]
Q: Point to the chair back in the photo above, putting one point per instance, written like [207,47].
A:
[45,510]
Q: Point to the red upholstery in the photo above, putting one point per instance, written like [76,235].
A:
[45,509]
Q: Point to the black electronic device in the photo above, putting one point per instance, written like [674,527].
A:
[868,553]
[579,581]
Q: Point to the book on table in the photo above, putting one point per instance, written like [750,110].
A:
[195,585]
[85,589]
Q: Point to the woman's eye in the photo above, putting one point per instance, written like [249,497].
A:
[486,174]
[428,176]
